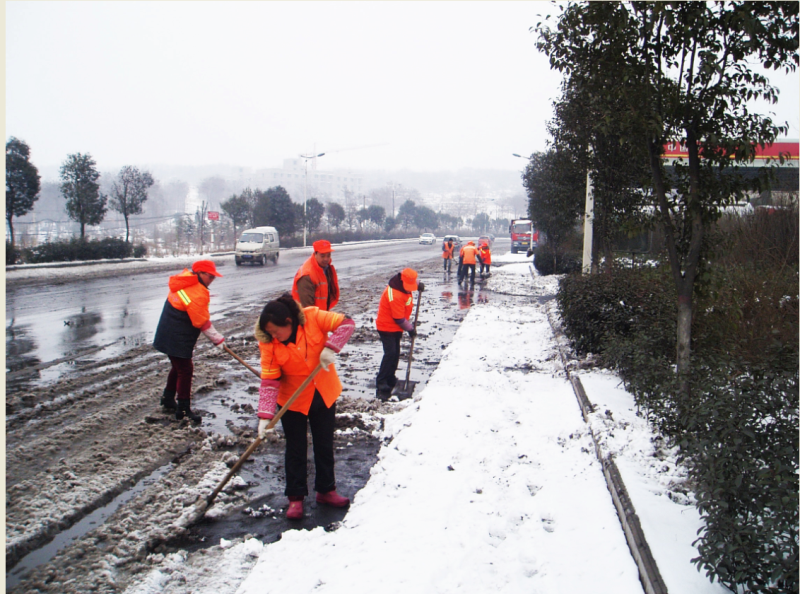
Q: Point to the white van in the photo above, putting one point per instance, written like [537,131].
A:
[258,245]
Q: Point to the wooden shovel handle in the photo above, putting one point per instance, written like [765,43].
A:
[413,338]
[240,360]
[258,440]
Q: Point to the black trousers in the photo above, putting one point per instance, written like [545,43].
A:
[465,270]
[321,419]
[387,379]
[484,267]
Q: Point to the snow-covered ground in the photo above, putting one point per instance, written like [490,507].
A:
[487,481]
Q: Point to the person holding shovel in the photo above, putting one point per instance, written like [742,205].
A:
[184,317]
[293,341]
[394,317]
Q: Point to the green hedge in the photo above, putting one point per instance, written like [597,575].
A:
[737,432]
[79,250]
[565,262]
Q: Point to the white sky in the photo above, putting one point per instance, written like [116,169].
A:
[436,85]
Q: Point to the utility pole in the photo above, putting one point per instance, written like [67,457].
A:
[588,225]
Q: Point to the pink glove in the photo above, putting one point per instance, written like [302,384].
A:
[267,398]
[341,335]
[212,334]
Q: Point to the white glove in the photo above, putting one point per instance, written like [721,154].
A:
[262,427]
[327,357]
[221,346]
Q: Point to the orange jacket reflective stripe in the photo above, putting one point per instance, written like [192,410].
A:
[187,293]
[393,305]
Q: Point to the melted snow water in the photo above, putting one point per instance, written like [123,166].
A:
[444,305]
[43,554]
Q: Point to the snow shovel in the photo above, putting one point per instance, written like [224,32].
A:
[405,389]
[202,506]
[240,360]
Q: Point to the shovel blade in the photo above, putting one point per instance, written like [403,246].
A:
[404,389]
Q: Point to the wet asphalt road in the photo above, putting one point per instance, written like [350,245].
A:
[70,318]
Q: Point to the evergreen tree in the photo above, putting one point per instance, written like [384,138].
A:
[314,212]
[79,186]
[335,214]
[22,182]
[238,209]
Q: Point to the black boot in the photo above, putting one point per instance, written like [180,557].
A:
[185,411]
[168,400]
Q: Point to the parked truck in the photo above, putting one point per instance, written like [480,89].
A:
[524,236]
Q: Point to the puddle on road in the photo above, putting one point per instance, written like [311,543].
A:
[45,553]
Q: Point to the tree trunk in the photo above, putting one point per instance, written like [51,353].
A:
[10,231]
[127,229]
[83,231]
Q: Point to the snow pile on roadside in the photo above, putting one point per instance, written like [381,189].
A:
[177,570]
[489,483]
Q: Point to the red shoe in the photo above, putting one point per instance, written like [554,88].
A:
[333,499]
[295,510]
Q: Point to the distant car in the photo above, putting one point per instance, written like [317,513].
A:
[456,242]
[487,239]
[427,238]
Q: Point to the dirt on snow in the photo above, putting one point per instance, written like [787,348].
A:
[98,436]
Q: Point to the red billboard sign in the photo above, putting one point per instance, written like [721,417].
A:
[788,148]
[213,215]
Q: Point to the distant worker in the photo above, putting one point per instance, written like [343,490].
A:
[184,317]
[447,254]
[394,316]
[293,341]
[469,254]
[485,257]
[316,282]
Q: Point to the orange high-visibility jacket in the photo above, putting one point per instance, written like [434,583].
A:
[394,305]
[468,253]
[293,363]
[322,290]
[187,293]
[486,254]
[447,251]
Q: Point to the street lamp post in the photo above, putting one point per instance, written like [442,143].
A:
[305,195]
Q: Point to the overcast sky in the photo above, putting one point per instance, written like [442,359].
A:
[375,85]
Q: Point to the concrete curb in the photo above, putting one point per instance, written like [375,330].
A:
[650,576]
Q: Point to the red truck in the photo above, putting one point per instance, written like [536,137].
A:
[524,237]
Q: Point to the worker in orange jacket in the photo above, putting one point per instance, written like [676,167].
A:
[485,257]
[184,317]
[293,341]
[469,254]
[316,282]
[394,317]
[447,254]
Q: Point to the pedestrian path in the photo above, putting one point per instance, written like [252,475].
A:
[487,482]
